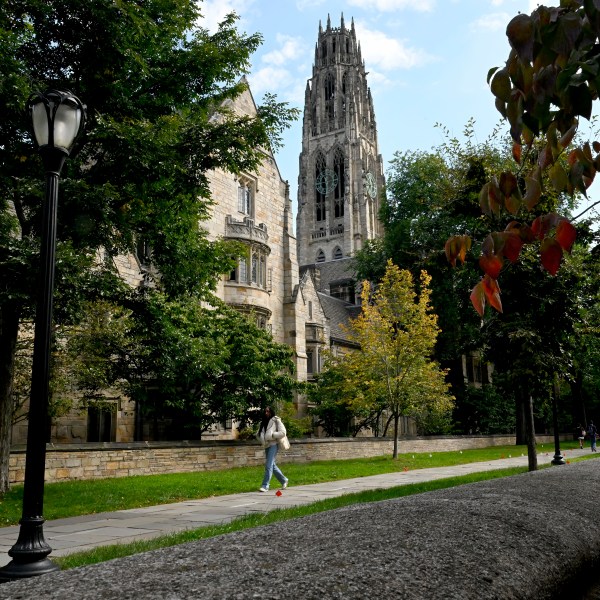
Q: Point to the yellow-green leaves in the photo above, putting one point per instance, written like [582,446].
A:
[397,331]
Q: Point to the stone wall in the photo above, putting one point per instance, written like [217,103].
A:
[94,461]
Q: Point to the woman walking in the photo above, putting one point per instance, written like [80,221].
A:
[271,430]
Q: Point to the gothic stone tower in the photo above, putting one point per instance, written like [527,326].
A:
[341,172]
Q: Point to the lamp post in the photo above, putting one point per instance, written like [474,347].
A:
[558,457]
[58,118]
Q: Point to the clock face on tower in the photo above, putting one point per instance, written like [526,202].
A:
[370,185]
[326,182]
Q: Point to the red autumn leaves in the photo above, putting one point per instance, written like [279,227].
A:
[554,232]
[548,83]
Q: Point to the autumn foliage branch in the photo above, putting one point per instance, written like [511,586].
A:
[549,81]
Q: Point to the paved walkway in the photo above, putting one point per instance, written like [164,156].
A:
[84,533]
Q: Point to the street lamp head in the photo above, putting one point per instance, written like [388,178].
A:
[58,119]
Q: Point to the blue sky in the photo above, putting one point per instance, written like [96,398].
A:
[427,62]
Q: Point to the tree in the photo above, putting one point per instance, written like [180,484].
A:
[431,196]
[206,365]
[548,83]
[339,403]
[152,89]
[396,332]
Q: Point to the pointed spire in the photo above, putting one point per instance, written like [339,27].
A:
[328,23]
[320,27]
[342,21]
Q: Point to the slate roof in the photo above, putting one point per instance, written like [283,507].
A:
[338,312]
[332,271]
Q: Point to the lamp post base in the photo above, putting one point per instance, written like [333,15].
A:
[558,460]
[30,553]
[17,570]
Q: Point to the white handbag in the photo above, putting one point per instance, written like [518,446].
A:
[284,443]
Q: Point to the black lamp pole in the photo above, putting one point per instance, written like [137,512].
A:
[58,118]
[558,457]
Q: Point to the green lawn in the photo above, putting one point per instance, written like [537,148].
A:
[75,498]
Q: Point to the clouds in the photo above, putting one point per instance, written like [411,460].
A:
[378,5]
[213,11]
[394,5]
[524,6]
[284,68]
[491,22]
[388,53]
[290,48]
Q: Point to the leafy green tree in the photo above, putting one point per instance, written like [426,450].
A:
[431,196]
[152,86]
[173,356]
[548,83]
[396,332]
[339,403]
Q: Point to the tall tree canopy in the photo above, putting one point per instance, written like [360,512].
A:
[548,83]
[431,196]
[152,79]
[202,366]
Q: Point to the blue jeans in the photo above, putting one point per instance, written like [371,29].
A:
[271,468]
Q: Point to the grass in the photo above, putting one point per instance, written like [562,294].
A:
[75,498]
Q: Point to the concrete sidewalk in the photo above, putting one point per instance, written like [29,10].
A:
[75,534]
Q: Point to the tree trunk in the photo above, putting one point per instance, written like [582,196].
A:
[9,329]
[520,420]
[396,418]
[530,430]
[578,405]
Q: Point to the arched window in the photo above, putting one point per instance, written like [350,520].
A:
[337,253]
[245,197]
[320,165]
[320,256]
[330,98]
[338,193]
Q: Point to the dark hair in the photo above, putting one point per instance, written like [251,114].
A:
[265,418]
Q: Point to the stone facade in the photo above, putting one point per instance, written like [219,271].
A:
[255,209]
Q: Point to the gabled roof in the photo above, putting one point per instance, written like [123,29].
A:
[332,271]
[339,313]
